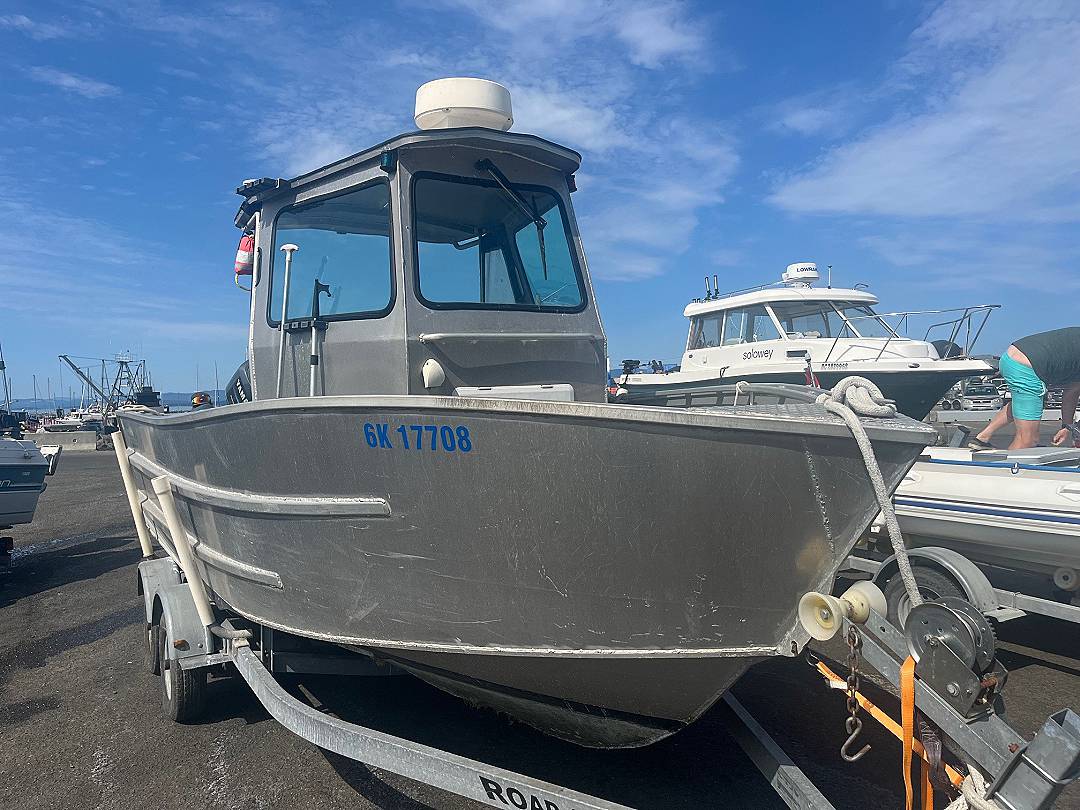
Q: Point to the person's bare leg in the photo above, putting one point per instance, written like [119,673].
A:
[1001,418]
[1027,434]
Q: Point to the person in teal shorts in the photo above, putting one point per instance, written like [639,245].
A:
[1031,365]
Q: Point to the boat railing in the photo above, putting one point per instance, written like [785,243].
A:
[713,295]
[967,325]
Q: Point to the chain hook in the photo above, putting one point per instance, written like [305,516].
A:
[853,726]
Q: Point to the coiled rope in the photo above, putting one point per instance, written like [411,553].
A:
[849,399]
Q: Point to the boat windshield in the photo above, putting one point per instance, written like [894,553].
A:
[810,319]
[484,245]
[865,321]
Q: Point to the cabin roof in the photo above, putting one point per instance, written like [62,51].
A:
[529,147]
[776,295]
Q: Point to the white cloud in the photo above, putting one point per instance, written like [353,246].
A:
[35,29]
[993,134]
[71,82]
[652,33]
[979,259]
[596,75]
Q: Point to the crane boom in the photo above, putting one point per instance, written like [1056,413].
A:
[105,398]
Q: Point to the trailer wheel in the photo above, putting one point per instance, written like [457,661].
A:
[183,691]
[933,584]
[152,649]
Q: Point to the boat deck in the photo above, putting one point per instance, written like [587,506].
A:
[82,727]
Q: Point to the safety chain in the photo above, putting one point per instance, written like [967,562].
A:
[853,724]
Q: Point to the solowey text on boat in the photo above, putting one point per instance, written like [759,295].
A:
[419,463]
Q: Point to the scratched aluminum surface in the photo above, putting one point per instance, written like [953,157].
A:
[662,552]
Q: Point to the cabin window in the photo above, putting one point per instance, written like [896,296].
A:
[344,242]
[480,246]
[810,320]
[748,325]
[705,332]
[731,327]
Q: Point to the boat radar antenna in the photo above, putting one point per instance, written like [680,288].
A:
[800,274]
[461,102]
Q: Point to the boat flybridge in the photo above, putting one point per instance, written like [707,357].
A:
[794,332]
[419,464]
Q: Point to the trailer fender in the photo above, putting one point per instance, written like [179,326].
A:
[976,586]
[181,622]
[154,577]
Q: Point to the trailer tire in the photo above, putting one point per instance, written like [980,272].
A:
[153,649]
[183,691]
[933,584]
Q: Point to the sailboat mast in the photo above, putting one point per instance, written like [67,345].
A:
[7,388]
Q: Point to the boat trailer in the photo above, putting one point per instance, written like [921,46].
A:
[946,670]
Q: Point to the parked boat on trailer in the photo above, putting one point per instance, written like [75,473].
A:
[794,332]
[1015,514]
[426,469]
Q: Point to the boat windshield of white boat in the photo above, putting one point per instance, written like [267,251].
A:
[439,262]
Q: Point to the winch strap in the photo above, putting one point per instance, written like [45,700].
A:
[907,721]
[890,725]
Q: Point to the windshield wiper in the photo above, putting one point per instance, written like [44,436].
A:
[486,165]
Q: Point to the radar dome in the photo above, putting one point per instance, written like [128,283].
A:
[800,273]
[447,103]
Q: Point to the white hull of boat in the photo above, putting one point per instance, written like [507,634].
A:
[995,508]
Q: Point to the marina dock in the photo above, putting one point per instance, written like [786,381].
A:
[82,727]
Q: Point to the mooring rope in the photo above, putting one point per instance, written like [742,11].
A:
[849,399]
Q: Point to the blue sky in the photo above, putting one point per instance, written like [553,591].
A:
[931,150]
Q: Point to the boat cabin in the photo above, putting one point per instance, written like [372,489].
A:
[793,320]
[440,262]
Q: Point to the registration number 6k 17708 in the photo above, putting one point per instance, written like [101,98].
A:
[429,438]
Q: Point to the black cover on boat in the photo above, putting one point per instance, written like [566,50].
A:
[239,387]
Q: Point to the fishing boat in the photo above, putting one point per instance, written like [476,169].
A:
[794,332]
[419,462]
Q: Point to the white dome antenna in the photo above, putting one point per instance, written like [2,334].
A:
[447,103]
[800,274]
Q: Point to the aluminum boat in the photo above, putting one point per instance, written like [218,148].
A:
[420,464]
[794,332]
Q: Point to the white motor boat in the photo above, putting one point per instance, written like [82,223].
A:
[1018,509]
[793,332]
[22,480]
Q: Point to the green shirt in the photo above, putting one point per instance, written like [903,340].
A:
[1054,355]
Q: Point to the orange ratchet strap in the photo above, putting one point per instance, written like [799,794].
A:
[890,725]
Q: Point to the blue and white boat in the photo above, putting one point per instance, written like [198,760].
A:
[22,480]
[1018,509]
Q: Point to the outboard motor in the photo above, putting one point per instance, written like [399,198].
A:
[239,388]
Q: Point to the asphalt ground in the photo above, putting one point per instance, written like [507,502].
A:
[81,726]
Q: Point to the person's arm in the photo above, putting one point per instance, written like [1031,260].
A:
[1069,398]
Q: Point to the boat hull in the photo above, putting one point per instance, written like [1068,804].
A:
[22,480]
[915,392]
[575,563]
[1012,515]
